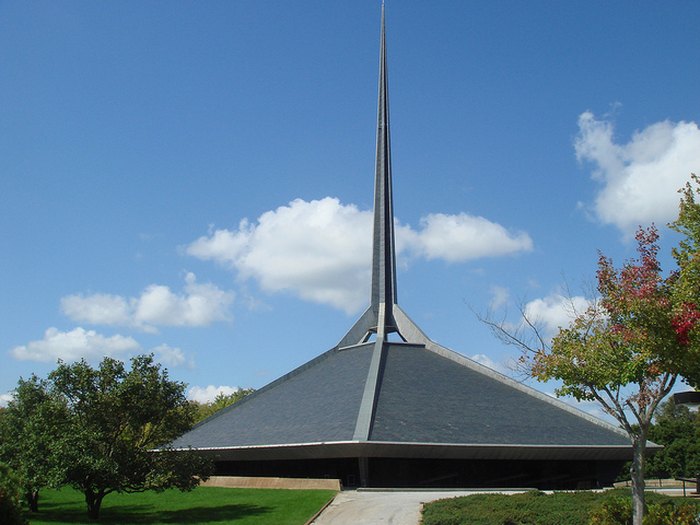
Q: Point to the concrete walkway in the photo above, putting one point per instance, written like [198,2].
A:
[373,507]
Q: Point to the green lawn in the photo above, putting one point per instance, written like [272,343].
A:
[203,505]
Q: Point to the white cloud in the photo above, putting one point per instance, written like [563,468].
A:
[199,305]
[5,399]
[485,360]
[207,394]
[554,311]
[169,356]
[74,345]
[97,309]
[499,297]
[639,179]
[462,237]
[321,250]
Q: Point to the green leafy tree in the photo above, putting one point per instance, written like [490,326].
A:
[10,508]
[31,429]
[221,401]
[622,351]
[117,418]
[686,282]
[619,352]
[678,430]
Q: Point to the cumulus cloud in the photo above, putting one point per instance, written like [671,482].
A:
[462,237]
[80,343]
[639,179]
[207,394]
[169,355]
[5,399]
[499,297]
[554,311]
[158,305]
[321,250]
[485,360]
[74,345]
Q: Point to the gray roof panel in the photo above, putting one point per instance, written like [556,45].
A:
[427,398]
[316,402]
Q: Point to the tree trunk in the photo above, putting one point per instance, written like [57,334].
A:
[637,476]
[94,501]
[32,500]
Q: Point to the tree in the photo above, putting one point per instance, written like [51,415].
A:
[678,430]
[686,282]
[116,418]
[30,429]
[622,351]
[10,508]
[221,401]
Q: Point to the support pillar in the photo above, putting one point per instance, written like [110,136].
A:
[364,471]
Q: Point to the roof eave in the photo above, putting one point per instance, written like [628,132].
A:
[373,449]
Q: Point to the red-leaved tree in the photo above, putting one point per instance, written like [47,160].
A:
[623,351]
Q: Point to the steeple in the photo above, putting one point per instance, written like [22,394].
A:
[383,316]
[384,253]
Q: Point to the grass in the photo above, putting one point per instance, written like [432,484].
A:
[204,505]
[532,508]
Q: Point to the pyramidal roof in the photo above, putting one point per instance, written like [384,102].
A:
[369,396]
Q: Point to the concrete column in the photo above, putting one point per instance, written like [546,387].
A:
[364,471]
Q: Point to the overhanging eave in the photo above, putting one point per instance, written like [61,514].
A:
[375,449]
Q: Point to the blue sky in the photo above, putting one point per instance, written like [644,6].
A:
[195,179]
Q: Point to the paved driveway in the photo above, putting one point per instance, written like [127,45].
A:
[353,507]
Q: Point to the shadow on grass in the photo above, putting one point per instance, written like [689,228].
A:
[146,514]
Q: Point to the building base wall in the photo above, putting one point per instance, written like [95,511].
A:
[436,473]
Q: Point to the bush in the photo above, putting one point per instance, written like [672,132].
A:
[618,511]
[615,511]
[560,508]
[10,508]
[532,508]
[672,515]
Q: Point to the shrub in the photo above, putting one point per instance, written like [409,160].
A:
[669,514]
[532,508]
[618,511]
[560,508]
[614,511]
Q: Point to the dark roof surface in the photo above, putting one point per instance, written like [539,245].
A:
[316,402]
[428,398]
[423,397]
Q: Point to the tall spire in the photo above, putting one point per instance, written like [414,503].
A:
[384,253]
[384,316]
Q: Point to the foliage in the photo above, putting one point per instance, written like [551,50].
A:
[10,508]
[532,508]
[31,429]
[629,347]
[221,401]
[616,352]
[670,514]
[678,430]
[201,506]
[618,511]
[622,351]
[614,511]
[559,508]
[686,285]
[116,417]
